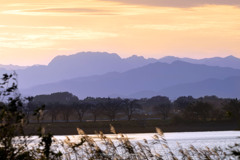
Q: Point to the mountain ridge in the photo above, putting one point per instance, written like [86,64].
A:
[153,77]
[113,72]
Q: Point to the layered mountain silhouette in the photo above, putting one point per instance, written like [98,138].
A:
[152,77]
[103,74]
[78,65]
[226,88]
[229,61]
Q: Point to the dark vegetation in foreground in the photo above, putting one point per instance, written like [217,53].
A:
[15,144]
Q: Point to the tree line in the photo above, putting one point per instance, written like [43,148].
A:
[65,107]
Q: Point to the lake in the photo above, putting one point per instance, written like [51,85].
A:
[211,139]
[198,139]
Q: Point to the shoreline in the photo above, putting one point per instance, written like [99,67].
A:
[70,128]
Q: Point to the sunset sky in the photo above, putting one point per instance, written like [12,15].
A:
[35,31]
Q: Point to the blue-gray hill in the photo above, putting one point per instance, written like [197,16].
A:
[152,77]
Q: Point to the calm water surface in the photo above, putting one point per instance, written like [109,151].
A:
[185,139]
[221,139]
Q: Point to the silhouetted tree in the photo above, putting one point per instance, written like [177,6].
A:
[81,108]
[14,145]
[53,111]
[130,107]
[112,107]
[39,113]
[163,107]
[11,117]
[95,106]
[66,111]
[233,109]
[28,109]
[198,111]
[59,97]
[182,102]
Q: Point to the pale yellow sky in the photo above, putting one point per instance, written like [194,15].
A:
[33,32]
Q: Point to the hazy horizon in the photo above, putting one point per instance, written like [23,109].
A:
[100,52]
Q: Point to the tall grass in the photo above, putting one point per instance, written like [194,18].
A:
[120,147]
[109,147]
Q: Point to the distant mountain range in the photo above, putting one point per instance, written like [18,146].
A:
[103,74]
[229,61]
[226,88]
[12,67]
[78,65]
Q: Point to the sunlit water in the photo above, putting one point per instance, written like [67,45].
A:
[185,139]
[222,139]
[197,139]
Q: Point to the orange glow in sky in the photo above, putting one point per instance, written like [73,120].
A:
[33,32]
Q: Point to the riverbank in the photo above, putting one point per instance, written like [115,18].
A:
[139,126]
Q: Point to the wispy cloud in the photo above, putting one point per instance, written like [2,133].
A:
[35,40]
[3,26]
[177,27]
[68,10]
[24,44]
[183,27]
[73,8]
[60,12]
[36,27]
[179,3]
